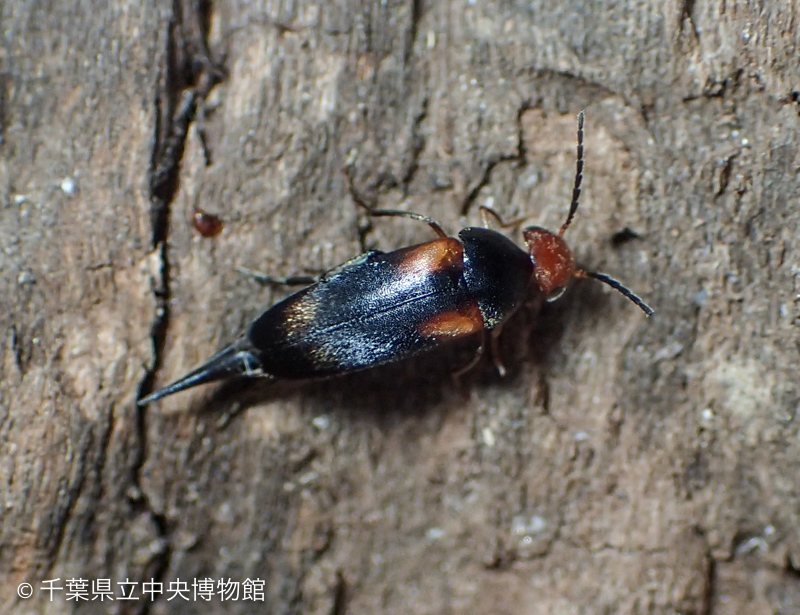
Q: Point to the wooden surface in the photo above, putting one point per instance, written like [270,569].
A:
[623,466]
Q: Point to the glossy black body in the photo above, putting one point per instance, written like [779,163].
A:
[379,308]
[374,309]
[497,273]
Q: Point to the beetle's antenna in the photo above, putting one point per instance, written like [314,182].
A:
[616,285]
[576,190]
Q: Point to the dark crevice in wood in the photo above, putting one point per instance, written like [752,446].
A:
[543,395]
[6,82]
[65,505]
[16,349]
[140,501]
[492,162]
[709,572]
[187,78]
[413,30]
[98,486]
[721,89]
[725,175]
[417,146]
[687,14]
[367,203]
[791,567]
[709,586]
[339,606]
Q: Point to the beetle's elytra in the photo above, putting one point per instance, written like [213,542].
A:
[384,307]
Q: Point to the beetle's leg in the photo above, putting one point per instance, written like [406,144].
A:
[497,359]
[488,211]
[372,212]
[410,214]
[263,278]
[456,375]
[494,337]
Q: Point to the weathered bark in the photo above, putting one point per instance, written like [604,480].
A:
[623,466]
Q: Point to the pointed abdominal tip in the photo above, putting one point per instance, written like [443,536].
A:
[238,359]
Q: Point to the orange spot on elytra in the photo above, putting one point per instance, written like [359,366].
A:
[455,323]
[433,256]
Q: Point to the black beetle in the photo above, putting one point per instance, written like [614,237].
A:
[384,307]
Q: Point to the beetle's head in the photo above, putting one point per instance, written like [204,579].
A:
[553,263]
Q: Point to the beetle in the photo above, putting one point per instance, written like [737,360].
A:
[382,307]
[208,225]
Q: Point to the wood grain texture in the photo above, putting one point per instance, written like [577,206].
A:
[623,466]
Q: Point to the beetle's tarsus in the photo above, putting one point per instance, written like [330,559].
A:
[263,278]
[497,357]
[373,212]
[487,211]
[437,228]
[476,358]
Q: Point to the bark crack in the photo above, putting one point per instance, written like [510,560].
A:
[519,157]
[185,80]
[413,30]
[417,146]
[687,13]
[65,505]
[709,585]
